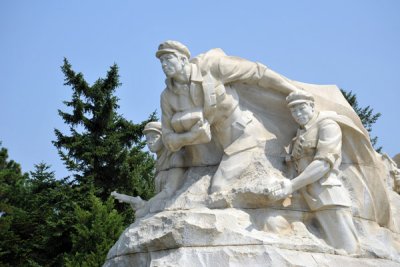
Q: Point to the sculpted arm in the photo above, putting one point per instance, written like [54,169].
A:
[271,79]
[328,151]
[233,69]
[315,171]
[199,133]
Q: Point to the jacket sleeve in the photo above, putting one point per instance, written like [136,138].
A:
[329,144]
[234,69]
[166,115]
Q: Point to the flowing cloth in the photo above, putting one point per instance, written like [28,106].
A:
[362,168]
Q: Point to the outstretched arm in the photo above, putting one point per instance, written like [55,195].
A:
[135,202]
[315,171]
[271,79]
[328,152]
[234,69]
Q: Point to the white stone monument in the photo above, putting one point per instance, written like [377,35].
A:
[254,169]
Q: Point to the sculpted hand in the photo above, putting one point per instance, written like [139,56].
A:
[117,196]
[136,202]
[280,190]
[202,128]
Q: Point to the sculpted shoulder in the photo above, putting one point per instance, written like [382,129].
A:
[209,60]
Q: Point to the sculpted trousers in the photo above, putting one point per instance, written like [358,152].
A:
[338,228]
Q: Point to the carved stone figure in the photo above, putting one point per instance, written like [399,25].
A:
[168,175]
[316,154]
[198,105]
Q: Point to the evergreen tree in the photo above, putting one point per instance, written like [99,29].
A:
[366,114]
[37,216]
[13,231]
[49,222]
[45,221]
[50,204]
[97,228]
[104,152]
[103,148]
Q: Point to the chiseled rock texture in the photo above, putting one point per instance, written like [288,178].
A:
[235,229]
[227,237]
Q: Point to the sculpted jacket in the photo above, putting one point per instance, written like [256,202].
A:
[210,97]
[321,139]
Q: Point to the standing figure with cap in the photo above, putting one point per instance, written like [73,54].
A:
[168,174]
[201,111]
[316,154]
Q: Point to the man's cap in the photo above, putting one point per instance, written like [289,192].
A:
[172,47]
[153,126]
[298,97]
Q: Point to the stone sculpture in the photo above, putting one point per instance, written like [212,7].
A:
[316,155]
[198,100]
[234,187]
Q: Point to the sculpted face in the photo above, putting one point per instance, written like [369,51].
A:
[302,112]
[154,141]
[171,64]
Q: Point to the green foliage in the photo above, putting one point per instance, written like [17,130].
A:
[36,220]
[12,230]
[103,148]
[104,152]
[97,228]
[46,221]
[50,206]
[49,222]
[366,114]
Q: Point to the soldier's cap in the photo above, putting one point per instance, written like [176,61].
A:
[153,126]
[172,47]
[298,97]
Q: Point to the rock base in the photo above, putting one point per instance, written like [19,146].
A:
[244,255]
[229,237]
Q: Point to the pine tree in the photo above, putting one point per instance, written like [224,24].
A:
[103,148]
[36,219]
[49,222]
[50,206]
[97,228]
[104,152]
[366,114]
[13,230]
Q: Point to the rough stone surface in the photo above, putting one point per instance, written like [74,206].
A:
[228,237]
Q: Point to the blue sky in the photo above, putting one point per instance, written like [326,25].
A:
[354,44]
